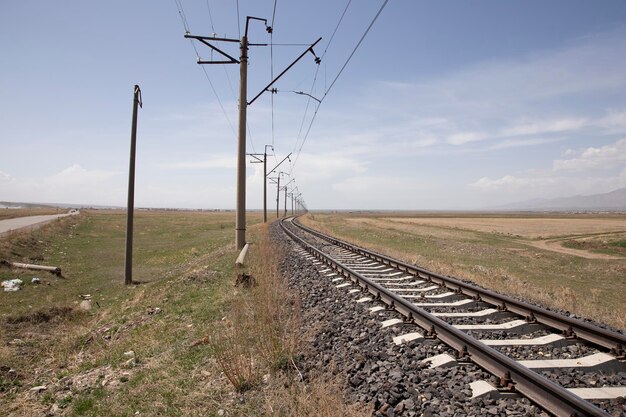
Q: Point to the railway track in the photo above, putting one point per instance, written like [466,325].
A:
[530,350]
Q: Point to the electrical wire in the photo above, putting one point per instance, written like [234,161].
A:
[181,13]
[238,20]
[336,27]
[306,110]
[338,74]
[272,66]
[230,84]
[356,47]
[210,16]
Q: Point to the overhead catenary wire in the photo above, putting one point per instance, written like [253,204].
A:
[337,76]
[210,16]
[272,65]
[308,103]
[238,21]
[230,84]
[181,13]
[356,47]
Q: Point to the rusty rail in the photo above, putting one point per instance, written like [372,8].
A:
[608,339]
[549,395]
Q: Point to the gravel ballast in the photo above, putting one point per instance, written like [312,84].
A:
[345,338]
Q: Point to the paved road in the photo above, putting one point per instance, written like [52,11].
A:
[32,222]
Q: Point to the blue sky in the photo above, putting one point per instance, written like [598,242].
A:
[446,105]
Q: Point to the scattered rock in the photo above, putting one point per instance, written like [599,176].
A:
[38,388]
[85,305]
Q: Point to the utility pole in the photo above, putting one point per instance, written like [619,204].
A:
[266,174]
[294,202]
[264,162]
[128,273]
[240,224]
[278,192]
[285,188]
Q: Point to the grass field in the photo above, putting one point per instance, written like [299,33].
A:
[184,262]
[156,347]
[552,259]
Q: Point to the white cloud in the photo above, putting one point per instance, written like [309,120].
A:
[73,184]
[511,182]
[527,187]
[613,122]
[544,126]
[322,167]
[219,161]
[589,171]
[605,157]
[462,138]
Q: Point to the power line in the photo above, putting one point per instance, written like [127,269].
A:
[336,27]
[210,16]
[274,13]
[230,84]
[340,72]
[238,21]
[183,18]
[306,110]
[356,47]
[272,65]
[181,13]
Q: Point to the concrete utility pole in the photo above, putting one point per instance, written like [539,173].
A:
[240,223]
[278,192]
[285,188]
[128,272]
[265,183]
[266,174]
[274,169]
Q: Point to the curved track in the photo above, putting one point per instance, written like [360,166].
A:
[480,325]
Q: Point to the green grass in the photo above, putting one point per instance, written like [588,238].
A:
[185,263]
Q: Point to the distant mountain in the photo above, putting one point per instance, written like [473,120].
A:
[612,201]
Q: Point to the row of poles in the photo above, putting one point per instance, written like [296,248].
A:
[224,58]
[297,203]
[296,200]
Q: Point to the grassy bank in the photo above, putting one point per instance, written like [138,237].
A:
[506,262]
[146,349]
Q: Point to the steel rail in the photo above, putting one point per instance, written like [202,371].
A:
[549,395]
[571,327]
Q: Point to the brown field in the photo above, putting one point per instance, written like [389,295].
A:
[575,262]
[525,227]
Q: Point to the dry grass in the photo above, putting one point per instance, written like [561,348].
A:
[186,263]
[257,346]
[261,333]
[529,227]
[590,287]
[320,397]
